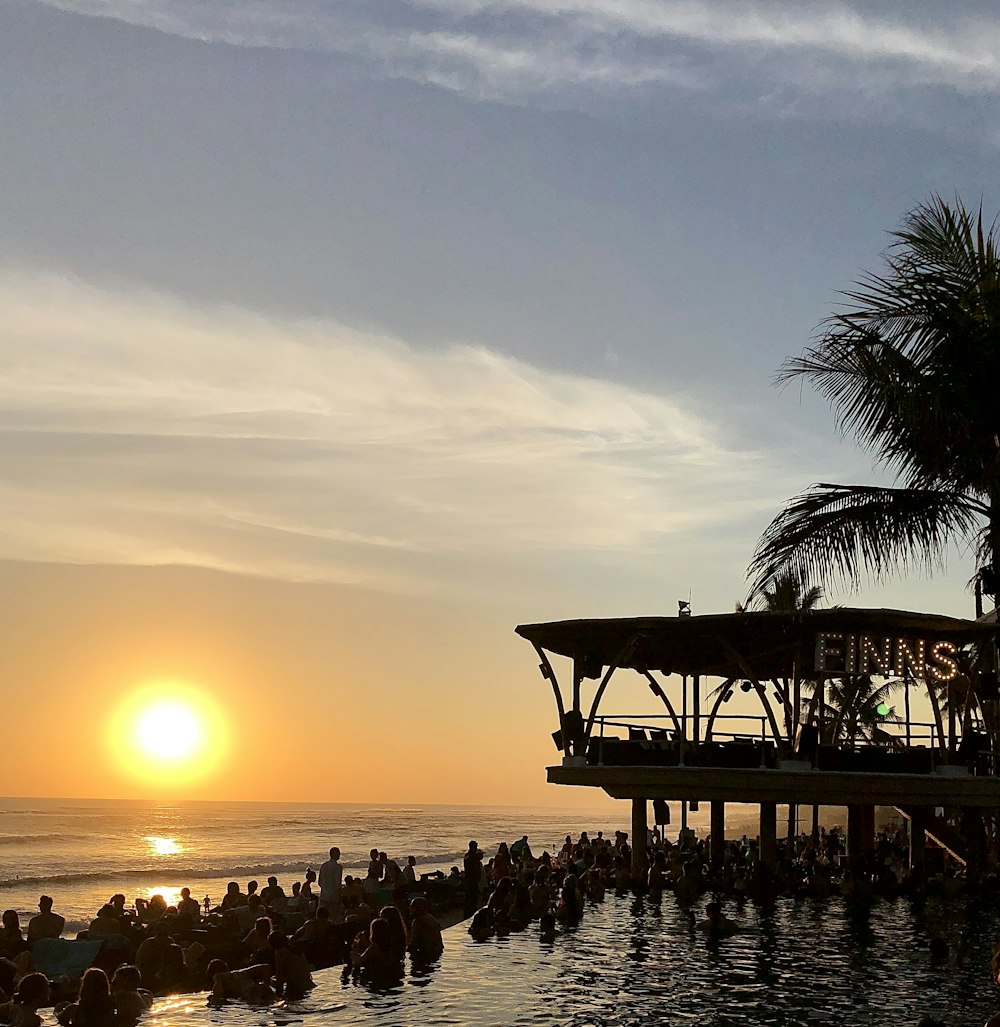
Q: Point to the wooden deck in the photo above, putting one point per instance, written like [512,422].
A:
[802,786]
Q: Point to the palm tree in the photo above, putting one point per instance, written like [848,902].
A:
[856,710]
[787,594]
[910,367]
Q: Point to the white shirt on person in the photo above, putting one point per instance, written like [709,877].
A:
[331,876]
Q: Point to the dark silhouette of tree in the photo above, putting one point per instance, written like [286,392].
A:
[911,368]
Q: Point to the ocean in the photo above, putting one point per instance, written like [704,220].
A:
[81,852]
[629,963]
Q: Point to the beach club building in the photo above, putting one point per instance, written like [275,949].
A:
[820,730]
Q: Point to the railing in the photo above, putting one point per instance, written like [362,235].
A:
[743,740]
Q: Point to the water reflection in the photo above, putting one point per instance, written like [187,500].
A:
[629,964]
[171,893]
[160,846]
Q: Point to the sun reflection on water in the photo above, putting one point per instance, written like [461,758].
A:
[163,846]
[170,893]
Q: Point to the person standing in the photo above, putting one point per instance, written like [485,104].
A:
[331,877]
[473,864]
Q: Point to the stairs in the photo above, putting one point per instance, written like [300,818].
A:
[939,831]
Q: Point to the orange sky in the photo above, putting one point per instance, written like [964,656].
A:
[330,694]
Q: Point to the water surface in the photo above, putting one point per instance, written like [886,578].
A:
[633,963]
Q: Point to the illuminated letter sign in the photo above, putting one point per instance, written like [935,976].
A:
[943,655]
[908,659]
[875,656]
[829,655]
[838,653]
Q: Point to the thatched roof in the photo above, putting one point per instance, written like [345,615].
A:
[749,644]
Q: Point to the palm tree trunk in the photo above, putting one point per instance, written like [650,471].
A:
[993,533]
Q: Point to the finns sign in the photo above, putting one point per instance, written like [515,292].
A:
[841,653]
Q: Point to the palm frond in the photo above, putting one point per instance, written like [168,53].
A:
[846,532]
[910,365]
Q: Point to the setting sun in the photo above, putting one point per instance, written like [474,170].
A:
[169,734]
[170,731]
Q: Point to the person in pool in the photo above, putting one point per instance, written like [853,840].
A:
[375,958]
[715,923]
[22,1011]
[12,942]
[426,943]
[45,924]
[250,985]
[94,1007]
[130,999]
[291,971]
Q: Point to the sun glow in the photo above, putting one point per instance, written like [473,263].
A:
[168,734]
[169,731]
[162,846]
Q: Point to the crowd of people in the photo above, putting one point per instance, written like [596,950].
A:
[260,944]
[256,944]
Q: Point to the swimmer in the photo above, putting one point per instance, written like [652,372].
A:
[130,1000]
[547,927]
[481,927]
[426,943]
[32,993]
[715,923]
[251,984]
[291,971]
[94,1007]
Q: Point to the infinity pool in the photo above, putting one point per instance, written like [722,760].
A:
[634,963]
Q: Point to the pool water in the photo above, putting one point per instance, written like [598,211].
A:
[632,962]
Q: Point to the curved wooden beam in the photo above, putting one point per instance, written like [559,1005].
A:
[766,703]
[605,681]
[553,681]
[657,689]
[598,695]
[719,700]
[744,666]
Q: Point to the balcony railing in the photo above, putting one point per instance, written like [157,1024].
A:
[745,742]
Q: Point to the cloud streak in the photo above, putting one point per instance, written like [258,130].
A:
[138,430]
[515,49]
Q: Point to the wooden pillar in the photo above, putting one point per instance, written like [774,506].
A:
[860,832]
[639,840]
[918,842]
[815,825]
[869,827]
[793,821]
[769,833]
[717,854]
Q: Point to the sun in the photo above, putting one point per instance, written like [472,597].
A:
[168,734]
[169,731]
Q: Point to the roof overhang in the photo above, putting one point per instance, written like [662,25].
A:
[757,644]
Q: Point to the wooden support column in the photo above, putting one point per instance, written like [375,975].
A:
[717,854]
[869,827]
[860,833]
[918,842]
[639,841]
[815,825]
[769,833]
[793,821]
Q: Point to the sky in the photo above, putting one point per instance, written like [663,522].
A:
[339,337]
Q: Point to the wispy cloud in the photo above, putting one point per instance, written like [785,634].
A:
[139,430]
[516,48]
